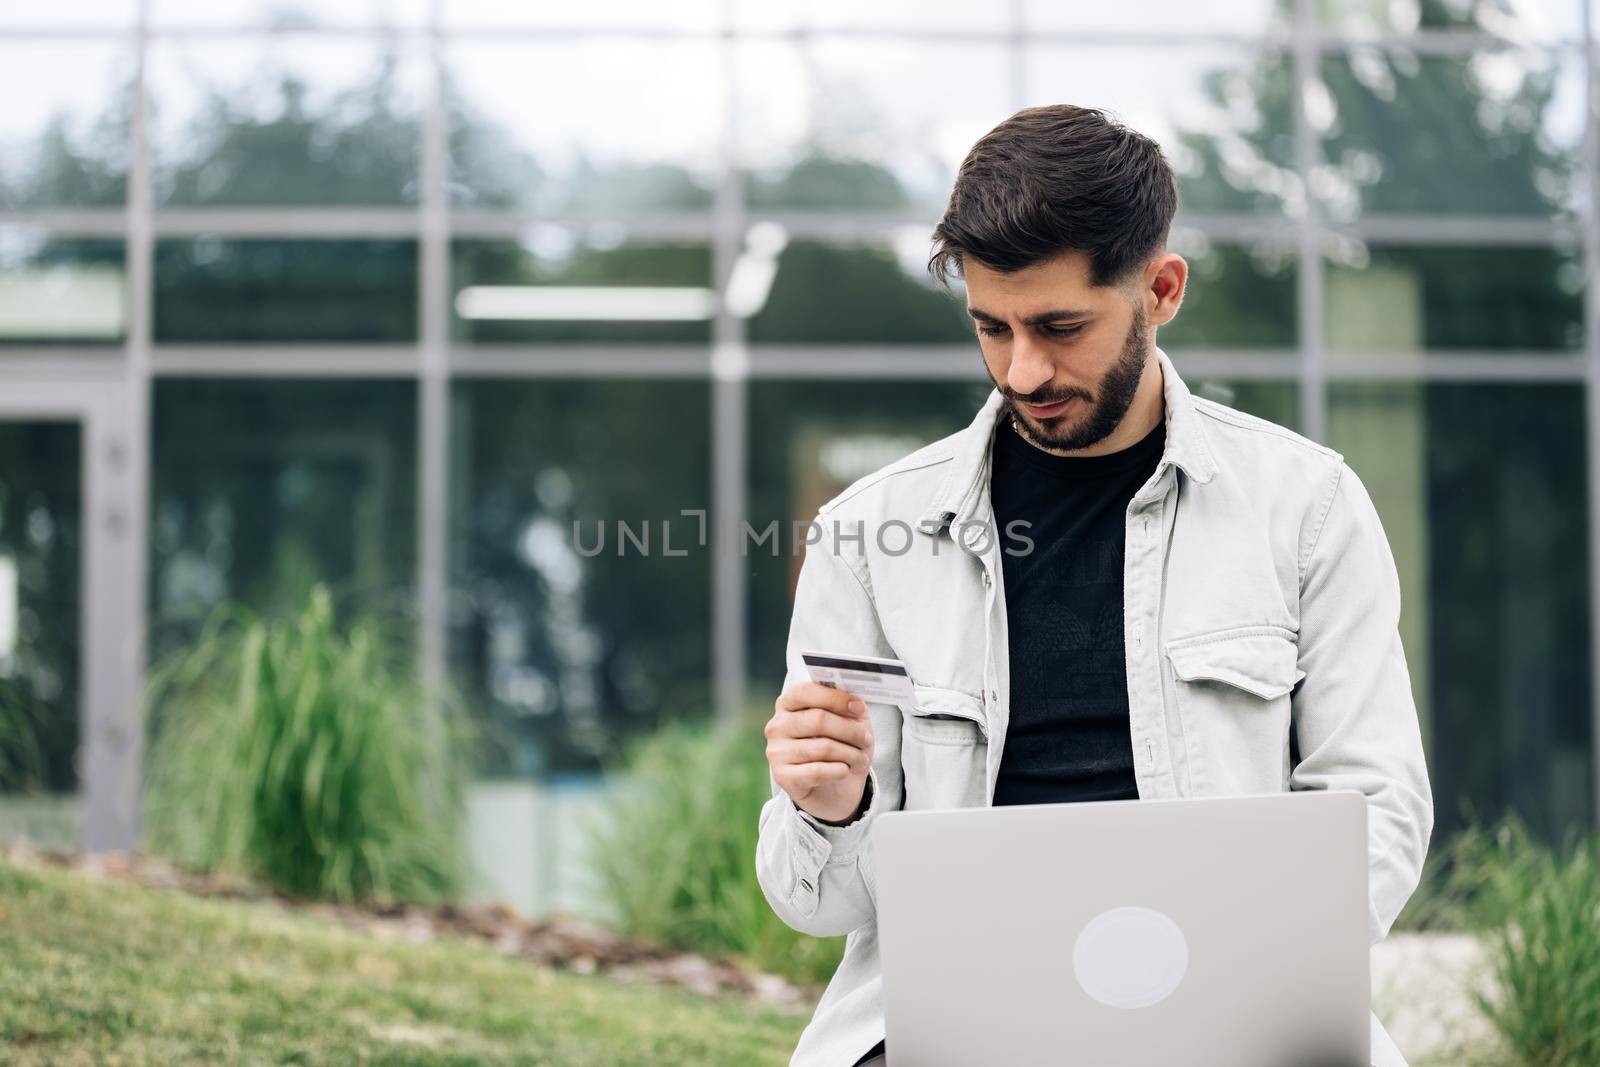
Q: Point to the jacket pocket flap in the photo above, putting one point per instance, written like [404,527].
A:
[1265,663]
[937,705]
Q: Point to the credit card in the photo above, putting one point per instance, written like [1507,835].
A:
[885,681]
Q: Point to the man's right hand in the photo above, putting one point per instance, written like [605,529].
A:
[819,746]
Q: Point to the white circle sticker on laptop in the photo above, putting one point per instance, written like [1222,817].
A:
[1130,957]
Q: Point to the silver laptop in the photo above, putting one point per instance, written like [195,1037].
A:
[1207,932]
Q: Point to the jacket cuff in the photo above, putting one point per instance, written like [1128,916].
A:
[817,844]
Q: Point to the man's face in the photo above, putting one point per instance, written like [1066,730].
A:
[1067,357]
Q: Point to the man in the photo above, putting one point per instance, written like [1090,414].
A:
[1105,587]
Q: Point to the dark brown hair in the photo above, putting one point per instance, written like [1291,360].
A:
[1055,179]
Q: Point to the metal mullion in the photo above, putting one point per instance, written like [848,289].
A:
[71,222]
[1460,230]
[1435,43]
[1591,323]
[316,223]
[729,365]
[509,224]
[1508,366]
[284,361]
[1309,276]
[116,463]
[434,384]
[557,361]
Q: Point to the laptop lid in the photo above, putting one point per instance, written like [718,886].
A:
[1211,932]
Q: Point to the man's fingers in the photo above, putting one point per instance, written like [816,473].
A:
[817,722]
[794,776]
[817,695]
[816,750]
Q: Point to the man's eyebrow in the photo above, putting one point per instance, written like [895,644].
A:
[1035,320]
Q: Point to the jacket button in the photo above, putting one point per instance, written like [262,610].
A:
[987,580]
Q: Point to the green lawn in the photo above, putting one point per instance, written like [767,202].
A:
[107,973]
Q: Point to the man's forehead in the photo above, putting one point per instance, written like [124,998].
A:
[1062,282]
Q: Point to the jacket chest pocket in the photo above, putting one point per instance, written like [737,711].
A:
[1233,700]
[944,748]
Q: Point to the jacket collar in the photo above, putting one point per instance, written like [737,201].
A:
[967,478]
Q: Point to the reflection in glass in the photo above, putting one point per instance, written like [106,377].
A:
[212,289]
[1481,489]
[41,511]
[569,637]
[262,488]
[285,120]
[60,289]
[585,126]
[838,294]
[1274,401]
[1514,20]
[64,130]
[841,123]
[1236,296]
[566,284]
[1495,132]
[808,440]
[1221,114]
[1418,298]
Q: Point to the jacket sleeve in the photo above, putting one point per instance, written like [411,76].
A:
[817,877]
[1354,715]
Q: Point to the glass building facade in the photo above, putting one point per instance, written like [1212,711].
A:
[400,296]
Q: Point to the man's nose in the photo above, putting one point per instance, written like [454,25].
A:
[1030,366]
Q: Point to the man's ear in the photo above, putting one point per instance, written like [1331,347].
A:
[1166,280]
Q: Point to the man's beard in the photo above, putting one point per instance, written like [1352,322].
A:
[1116,392]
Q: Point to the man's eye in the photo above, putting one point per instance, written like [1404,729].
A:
[1053,331]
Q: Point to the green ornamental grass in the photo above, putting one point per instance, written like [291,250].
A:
[307,756]
[675,861]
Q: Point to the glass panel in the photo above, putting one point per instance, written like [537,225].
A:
[1481,489]
[1237,295]
[566,284]
[1221,115]
[288,13]
[55,289]
[285,120]
[1415,299]
[808,441]
[584,125]
[570,639]
[1517,20]
[1274,401]
[64,131]
[261,488]
[1495,132]
[852,294]
[212,289]
[864,123]
[1161,16]
[41,509]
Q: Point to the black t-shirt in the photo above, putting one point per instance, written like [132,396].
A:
[1068,736]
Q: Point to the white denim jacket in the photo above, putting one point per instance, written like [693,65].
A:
[1254,559]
